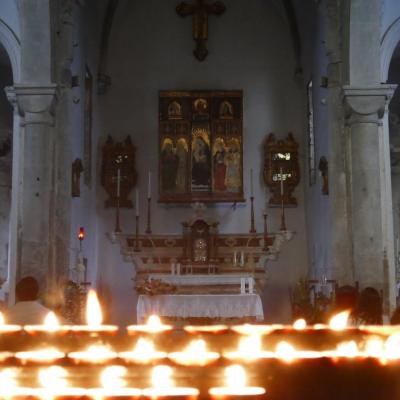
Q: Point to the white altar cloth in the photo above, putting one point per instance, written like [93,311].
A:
[200,306]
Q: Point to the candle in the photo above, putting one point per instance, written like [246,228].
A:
[242,258]
[195,354]
[154,325]
[149,187]
[236,387]
[143,353]
[281,173]
[8,328]
[118,182]
[94,318]
[251,183]
[137,203]
[163,386]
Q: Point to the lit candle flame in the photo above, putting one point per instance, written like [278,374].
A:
[235,376]
[250,346]
[94,315]
[300,324]
[51,321]
[154,322]
[392,346]
[196,347]
[112,377]
[339,321]
[285,351]
[348,349]
[7,381]
[161,377]
[53,378]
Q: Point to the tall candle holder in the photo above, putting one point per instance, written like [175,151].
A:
[283,222]
[117,225]
[148,229]
[252,226]
[137,248]
[265,216]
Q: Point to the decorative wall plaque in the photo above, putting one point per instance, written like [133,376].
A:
[118,172]
[200,146]
[281,169]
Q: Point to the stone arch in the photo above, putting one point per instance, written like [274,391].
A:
[389,42]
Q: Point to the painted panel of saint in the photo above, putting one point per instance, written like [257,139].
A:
[181,174]
[233,180]
[219,165]
[169,166]
[201,159]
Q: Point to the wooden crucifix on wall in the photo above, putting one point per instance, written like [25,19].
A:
[200,12]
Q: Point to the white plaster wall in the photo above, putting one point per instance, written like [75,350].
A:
[250,49]
[9,14]
[390,13]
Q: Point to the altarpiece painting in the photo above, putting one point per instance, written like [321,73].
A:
[201,146]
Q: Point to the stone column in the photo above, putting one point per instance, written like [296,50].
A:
[36,106]
[365,108]
[340,240]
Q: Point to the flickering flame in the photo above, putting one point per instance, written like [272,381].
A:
[235,376]
[113,377]
[392,346]
[374,347]
[7,381]
[348,349]
[43,355]
[195,354]
[53,378]
[51,321]
[300,324]
[143,352]
[250,347]
[236,384]
[339,321]
[94,354]
[285,351]
[161,377]
[94,316]
[154,322]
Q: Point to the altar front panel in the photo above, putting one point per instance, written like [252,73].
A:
[200,306]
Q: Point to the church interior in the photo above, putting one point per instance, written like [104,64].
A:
[272,123]
[212,163]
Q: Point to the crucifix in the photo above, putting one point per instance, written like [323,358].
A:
[200,12]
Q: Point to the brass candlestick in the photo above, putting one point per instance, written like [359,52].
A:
[117,226]
[283,223]
[265,215]
[252,227]
[136,248]
[148,229]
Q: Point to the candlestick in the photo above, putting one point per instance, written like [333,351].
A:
[149,187]
[283,222]
[251,183]
[252,226]
[265,215]
[137,248]
[117,225]
[137,203]
[148,229]
[118,182]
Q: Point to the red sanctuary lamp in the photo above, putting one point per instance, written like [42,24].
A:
[81,236]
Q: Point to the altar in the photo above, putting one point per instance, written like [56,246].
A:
[211,307]
[201,276]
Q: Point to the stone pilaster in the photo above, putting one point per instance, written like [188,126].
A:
[365,107]
[36,186]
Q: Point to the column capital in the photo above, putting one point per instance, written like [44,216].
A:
[36,103]
[366,104]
